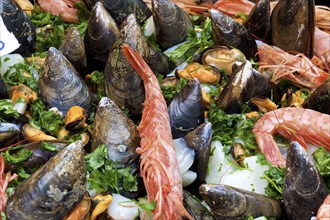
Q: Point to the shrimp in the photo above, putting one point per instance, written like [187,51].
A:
[322,46]
[159,166]
[64,8]
[322,17]
[297,124]
[324,211]
[4,180]
[284,66]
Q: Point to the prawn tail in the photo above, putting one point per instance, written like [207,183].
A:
[269,148]
[137,62]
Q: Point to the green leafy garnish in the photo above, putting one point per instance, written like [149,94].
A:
[322,159]
[103,175]
[275,177]
[193,42]
[21,74]
[47,120]
[170,91]
[48,146]
[7,110]
[17,154]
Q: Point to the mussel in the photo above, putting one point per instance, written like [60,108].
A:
[40,154]
[245,84]
[186,110]
[258,22]
[101,34]
[159,62]
[122,83]
[292,26]
[53,190]
[8,131]
[228,32]
[60,84]
[196,208]
[19,23]
[304,189]
[120,9]
[11,131]
[200,140]
[222,58]
[232,203]
[171,23]
[319,100]
[73,48]
[113,128]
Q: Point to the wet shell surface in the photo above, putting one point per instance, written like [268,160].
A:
[53,190]
[60,84]
[113,128]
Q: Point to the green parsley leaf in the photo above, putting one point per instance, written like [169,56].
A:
[19,154]
[7,110]
[275,177]
[322,159]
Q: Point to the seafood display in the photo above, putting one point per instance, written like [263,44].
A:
[164,109]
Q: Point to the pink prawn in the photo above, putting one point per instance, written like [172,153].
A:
[159,166]
[284,66]
[322,46]
[64,8]
[297,124]
[324,211]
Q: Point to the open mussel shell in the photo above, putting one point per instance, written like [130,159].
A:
[222,58]
[258,22]
[11,131]
[171,23]
[39,156]
[292,26]
[19,23]
[122,83]
[228,32]
[232,203]
[186,110]
[8,131]
[101,34]
[113,128]
[60,84]
[200,140]
[196,208]
[73,48]
[141,191]
[120,9]
[319,100]
[304,189]
[53,190]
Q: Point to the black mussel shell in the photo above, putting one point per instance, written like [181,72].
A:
[200,140]
[196,208]
[232,203]
[19,23]
[159,62]
[101,34]
[319,100]
[114,129]
[120,9]
[228,32]
[258,22]
[186,110]
[61,85]
[238,90]
[292,26]
[53,190]
[73,48]
[141,191]
[123,85]
[304,189]
[171,23]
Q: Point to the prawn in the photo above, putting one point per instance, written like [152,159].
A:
[324,211]
[64,8]
[322,46]
[4,180]
[297,124]
[284,66]
[159,166]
